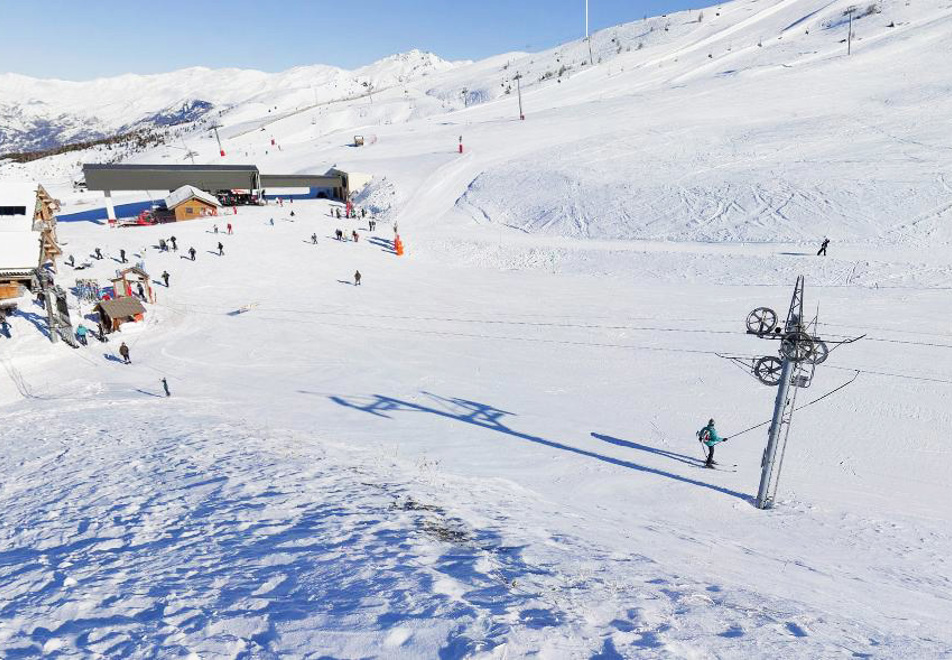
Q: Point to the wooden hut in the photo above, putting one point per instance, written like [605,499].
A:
[113,313]
[188,203]
[126,283]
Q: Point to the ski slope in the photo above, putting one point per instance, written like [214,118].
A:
[487,449]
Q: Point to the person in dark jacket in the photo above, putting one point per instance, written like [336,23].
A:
[357,278]
[165,278]
[822,251]
[221,249]
[124,352]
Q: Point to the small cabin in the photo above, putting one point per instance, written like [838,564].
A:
[113,313]
[189,203]
[127,281]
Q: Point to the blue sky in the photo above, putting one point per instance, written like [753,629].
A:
[83,39]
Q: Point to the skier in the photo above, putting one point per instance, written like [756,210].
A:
[191,253]
[122,256]
[215,228]
[221,249]
[165,386]
[174,244]
[141,291]
[357,278]
[165,278]
[314,239]
[163,247]
[230,231]
[98,254]
[124,352]
[71,262]
[355,236]
[337,211]
[271,222]
[708,436]
[363,212]
[822,251]
[81,334]
[292,214]
[4,326]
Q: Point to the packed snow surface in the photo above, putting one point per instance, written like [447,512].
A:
[487,448]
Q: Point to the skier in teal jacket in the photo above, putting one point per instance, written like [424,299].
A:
[708,436]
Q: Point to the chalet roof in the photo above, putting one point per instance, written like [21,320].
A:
[15,195]
[123,307]
[186,193]
[19,250]
[131,269]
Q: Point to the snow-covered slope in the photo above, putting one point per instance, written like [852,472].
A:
[38,113]
[487,449]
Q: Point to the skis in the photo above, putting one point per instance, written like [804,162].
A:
[721,468]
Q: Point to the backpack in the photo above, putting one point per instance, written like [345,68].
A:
[704,435]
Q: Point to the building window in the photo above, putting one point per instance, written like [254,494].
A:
[12,210]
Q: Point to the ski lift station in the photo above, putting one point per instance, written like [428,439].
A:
[220,181]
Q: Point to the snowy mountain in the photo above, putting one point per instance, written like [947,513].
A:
[38,114]
[487,449]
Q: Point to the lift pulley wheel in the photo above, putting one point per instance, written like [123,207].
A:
[761,321]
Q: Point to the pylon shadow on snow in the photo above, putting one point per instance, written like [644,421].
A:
[488,417]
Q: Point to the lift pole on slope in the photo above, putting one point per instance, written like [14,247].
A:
[221,149]
[518,78]
[800,352]
[849,36]
[588,37]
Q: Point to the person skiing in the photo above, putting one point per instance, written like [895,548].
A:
[165,386]
[230,230]
[292,214]
[124,352]
[98,254]
[191,253]
[122,256]
[337,211]
[215,229]
[357,278]
[822,251]
[71,262]
[165,278]
[140,290]
[4,326]
[81,334]
[174,244]
[314,239]
[221,249]
[355,235]
[708,436]
[271,222]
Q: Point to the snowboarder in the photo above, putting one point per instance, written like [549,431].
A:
[221,249]
[98,254]
[314,239]
[165,386]
[165,278]
[708,436]
[357,278]
[822,251]
[230,230]
[191,253]
[174,244]
[124,352]
[81,334]
[122,256]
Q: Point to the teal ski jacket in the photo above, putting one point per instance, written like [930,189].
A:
[712,437]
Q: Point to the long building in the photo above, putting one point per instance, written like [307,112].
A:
[215,179]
